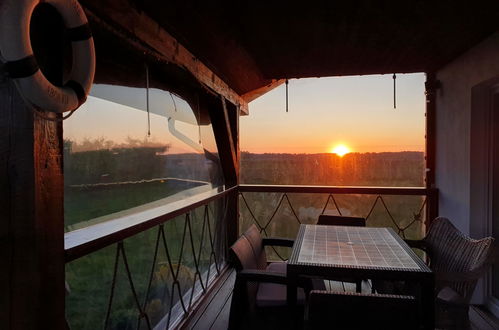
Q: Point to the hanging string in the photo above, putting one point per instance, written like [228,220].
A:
[287,83]
[394,91]
[174,104]
[147,102]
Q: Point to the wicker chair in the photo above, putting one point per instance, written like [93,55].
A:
[458,263]
[341,220]
[259,297]
[342,310]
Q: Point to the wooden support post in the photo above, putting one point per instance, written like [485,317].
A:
[225,120]
[233,203]
[31,199]
[431,86]
[222,128]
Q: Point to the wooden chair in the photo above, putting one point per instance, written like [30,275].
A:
[342,220]
[347,310]
[260,287]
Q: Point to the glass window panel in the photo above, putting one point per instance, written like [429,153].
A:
[118,159]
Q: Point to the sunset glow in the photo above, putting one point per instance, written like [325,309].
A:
[341,150]
[325,112]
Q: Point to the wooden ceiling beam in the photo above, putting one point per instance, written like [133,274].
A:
[254,94]
[120,14]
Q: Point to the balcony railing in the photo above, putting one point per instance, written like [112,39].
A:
[148,270]
[278,210]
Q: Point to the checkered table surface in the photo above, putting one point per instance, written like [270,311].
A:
[353,246]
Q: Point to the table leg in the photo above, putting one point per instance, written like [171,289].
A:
[292,301]
[428,302]
[291,289]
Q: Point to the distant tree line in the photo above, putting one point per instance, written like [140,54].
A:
[103,161]
[369,169]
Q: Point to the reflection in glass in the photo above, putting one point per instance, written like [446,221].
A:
[113,167]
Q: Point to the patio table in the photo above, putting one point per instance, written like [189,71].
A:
[359,253]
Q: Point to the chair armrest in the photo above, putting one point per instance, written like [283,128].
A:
[416,244]
[253,275]
[277,241]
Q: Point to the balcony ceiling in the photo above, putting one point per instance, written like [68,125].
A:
[249,43]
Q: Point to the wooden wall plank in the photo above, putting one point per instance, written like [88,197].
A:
[32,222]
[31,193]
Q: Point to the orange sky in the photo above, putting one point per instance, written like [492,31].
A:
[356,111]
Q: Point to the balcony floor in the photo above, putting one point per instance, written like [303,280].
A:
[213,313]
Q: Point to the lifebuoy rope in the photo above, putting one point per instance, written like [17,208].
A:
[80,33]
[28,66]
[22,68]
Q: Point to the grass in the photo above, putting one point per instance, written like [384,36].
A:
[82,204]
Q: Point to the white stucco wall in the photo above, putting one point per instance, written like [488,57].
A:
[453,157]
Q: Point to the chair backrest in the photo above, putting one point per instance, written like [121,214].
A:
[341,220]
[450,251]
[348,310]
[249,250]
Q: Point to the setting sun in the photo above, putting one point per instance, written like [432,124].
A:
[341,150]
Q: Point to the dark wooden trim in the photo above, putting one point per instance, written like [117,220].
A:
[81,242]
[233,201]
[232,218]
[230,117]
[432,207]
[223,131]
[431,86]
[233,119]
[254,94]
[415,191]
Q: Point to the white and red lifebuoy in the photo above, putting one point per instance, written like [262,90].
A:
[21,65]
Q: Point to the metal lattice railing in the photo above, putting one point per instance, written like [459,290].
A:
[379,208]
[182,275]
[417,217]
